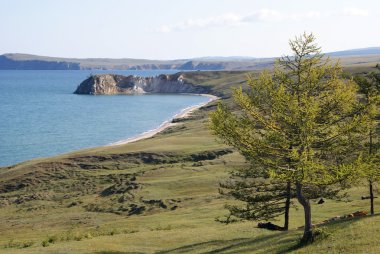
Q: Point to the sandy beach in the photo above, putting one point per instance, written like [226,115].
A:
[184,113]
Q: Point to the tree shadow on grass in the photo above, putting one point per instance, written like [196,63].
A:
[118,252]
[341,224]
[238,245]
[279,243]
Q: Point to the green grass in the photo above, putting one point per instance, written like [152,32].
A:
[81,202]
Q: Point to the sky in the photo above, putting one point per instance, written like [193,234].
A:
[179,29]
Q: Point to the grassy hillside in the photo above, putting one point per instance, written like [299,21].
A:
[158,195]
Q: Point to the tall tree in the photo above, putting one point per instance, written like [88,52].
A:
[296,125]
[370,88]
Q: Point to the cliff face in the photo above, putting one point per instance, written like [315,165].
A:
[119,84]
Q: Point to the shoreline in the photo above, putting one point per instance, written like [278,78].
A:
[166,124]
[148,134]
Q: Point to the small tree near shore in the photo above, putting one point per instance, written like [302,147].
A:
[297,125]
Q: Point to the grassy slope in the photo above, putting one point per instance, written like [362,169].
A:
[67,200]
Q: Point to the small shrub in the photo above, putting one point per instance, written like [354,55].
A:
[13,244]
[78,237]
[45,243]
[114,232]
[52,239]
[88,236]
[67,237]
[27,244]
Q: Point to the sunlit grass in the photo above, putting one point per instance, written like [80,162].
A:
[56,215]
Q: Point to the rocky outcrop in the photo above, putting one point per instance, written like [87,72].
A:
[119,84]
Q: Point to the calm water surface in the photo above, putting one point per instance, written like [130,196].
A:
[40,116]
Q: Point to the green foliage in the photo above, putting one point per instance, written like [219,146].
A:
[370,157]
[298,124]
[370,88]
[189,229]
[20,245]
[52,239]
[45,243]
[27,244]
[263,199]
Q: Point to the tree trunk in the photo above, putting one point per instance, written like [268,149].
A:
[287,206]
[370,180]
[371,197]
[307,233]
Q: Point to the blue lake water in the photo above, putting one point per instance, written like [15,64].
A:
[40,116]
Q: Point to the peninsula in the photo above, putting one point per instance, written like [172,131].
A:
[119,84]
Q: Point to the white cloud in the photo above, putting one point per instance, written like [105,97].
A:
[164,29]
[223,20]
[305,16]
[230,19]
[263,15]
[355,12]
[274,16]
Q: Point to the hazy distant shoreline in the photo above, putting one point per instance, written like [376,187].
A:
[18,61]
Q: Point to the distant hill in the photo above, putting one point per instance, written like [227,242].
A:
[356,52]
[225,58]
[16,61]
[7,63]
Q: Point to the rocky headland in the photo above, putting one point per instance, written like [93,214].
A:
[118,84]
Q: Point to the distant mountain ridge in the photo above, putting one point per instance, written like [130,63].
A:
[16,61]
[7,63]
[356,52]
